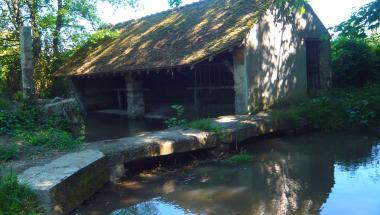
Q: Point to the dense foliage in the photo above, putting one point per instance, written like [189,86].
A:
[338,109]
[353,62]
[361,22]
[58,27]
[27,126]
[16,198]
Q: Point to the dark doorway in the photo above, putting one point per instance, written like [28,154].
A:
[313,70]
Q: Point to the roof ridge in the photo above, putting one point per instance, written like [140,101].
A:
[120,24]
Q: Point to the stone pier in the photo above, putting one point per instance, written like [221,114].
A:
[240,80]
[135,96]
[27,67]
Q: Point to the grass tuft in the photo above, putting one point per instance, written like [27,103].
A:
[16,198]
[242,157]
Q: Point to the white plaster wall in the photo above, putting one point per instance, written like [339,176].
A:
[276,57]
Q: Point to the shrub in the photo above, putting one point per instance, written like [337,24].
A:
[28,125]
[28,116]
[352,61]
[16,198]
[242,157]
[7,121]
[4,104]
[337,109]
[7,152]
[178,120]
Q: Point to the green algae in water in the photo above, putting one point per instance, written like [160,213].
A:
[242,157]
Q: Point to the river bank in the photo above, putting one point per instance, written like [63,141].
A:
[63,184]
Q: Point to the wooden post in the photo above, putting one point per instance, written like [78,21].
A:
[119,99]
[196,102]
[26,52]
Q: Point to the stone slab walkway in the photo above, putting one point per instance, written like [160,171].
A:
[63,184]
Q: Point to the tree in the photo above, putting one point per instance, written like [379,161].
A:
[352,61]
[364,19]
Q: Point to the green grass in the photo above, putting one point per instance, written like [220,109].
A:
[204,125]
[336,109]
[27,125]
[50,138]
[242,157]
[16,198]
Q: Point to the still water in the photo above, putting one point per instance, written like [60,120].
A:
[310,174]
[108,126]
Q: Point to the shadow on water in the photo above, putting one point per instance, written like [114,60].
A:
[310,174]
[108,126]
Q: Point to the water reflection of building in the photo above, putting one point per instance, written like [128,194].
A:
[290,182]
[289,176]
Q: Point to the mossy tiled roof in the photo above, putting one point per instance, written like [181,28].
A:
[173,38]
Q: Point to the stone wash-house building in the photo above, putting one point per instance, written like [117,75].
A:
[213,56]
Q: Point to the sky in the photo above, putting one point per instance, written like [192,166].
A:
[331,12]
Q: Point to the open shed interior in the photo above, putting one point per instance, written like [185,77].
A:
[205,89]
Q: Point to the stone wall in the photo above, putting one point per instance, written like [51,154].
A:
[276,57]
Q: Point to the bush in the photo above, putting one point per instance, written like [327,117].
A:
[7,152]
[337,109]
[178,120]
[7,121]
[16,198]
[28,116]
[4,104]
[27,124]
[353,62]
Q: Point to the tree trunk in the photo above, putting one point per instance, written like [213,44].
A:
[57,32]
[26,52]
[37,44]
[14,8]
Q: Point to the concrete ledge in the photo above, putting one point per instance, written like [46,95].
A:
[241,128]
[65,183]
